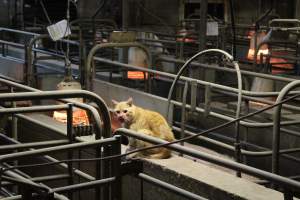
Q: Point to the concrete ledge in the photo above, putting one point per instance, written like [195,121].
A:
[200,179]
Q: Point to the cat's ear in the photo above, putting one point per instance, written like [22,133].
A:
[114,102]
[129,101]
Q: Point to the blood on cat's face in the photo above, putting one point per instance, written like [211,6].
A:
[124,111]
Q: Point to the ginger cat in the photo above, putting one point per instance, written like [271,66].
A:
[146,122]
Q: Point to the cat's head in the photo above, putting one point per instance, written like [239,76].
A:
[124,110]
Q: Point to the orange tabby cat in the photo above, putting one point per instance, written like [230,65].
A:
[145,122]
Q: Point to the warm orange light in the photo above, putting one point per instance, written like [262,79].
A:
[80,117]
[251,53]
[279,64]
[137,75]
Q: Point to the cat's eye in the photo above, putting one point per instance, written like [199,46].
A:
[125,111]
[118,112]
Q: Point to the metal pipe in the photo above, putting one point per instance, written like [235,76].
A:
[201,54]
[30,49]
[81,186]
[172,188]
[14,175]
[215,159]
[90,70]
[32,145]
[231,148]
[38,152]
[50,178]
[183,111]
[71,140]
[276,127]
[33,109]
[242,122]
[213,85]
[80,93]
[243,72]
[51,159]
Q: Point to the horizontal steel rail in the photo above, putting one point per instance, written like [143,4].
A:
[82,186]
[49,158]
[212,85]
[32,145]
[38,152]
[61,95]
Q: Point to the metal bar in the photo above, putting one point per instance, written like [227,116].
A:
[216,160]
[14,119]
[243,72]
[38,152]
[79,93]
[244,123]
[228,56]
[32,109]
[276,127]
[193,95]
[81,186]
[207,100]
[50,178]
[213,85]
[172,188]
[183,111]
[14,175]
[70,153]
[90,69]
[261,100]
[12,44]
[231,148]
[116,187]
[32,145]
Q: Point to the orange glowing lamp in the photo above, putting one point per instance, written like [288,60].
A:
[263,49]
[80,117]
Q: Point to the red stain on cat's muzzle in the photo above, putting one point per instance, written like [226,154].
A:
[121,119]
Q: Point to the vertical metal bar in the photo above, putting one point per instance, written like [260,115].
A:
[193,95]
[14,119]
[183,112]
[116,190]
[276,127]
[14,128]
[237,146]
[70,153]
[98,168]
[207,100]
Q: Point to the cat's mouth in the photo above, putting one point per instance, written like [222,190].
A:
[121,119]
